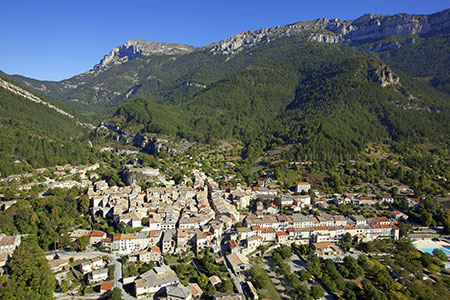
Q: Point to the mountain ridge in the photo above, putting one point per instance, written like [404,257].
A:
[160,71]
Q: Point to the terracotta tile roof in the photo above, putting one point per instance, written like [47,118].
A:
[107,286]
[155,249]
[320,228]
[281,233]
[233,244]
[380,226]
[96,233]
[381,219]
[303,183]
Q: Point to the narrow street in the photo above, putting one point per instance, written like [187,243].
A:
[236,280]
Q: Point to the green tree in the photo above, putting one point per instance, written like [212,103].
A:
[116,294]
[203,281]
[80,244]
[30,277]
[440,254]
[347,241]
[227,286]
[83,203]
[317,292]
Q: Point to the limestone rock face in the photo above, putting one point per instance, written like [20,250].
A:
[366,27]
[325,38]
[137,48]
[384,76]
[132,175]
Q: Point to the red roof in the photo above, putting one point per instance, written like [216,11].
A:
[303,183]
[96,233]
[347,227]
[233,244]
[281,233]
[107,286]
[365,198]
[381,219]
[381,226]
[320,228]
[414,199]
[260,182]
[155,249]
[396,212]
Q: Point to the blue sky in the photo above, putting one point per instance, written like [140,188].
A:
[54,40]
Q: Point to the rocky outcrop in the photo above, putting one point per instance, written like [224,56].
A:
[148,145]
[137,48]
[383,75]
[132,175]
[325,38]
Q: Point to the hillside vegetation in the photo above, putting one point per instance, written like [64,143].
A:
[327,100]
[33,135]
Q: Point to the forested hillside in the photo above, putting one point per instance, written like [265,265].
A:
[33,135]
[325,99]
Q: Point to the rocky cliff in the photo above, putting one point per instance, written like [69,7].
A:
[137,48]
[153,77]
[366,27]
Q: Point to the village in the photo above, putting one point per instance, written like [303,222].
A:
[234,224]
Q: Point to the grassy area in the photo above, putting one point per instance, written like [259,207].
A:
[171,260]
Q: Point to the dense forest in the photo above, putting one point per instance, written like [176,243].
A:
[33,135]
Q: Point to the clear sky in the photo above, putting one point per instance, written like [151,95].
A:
[55,40]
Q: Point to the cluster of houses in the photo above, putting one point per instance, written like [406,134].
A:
[60,172]
[308,229]
[175,219]
[356,199]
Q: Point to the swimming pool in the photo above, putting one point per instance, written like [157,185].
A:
[430,250]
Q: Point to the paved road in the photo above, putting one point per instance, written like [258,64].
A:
[236,280]
[115,260]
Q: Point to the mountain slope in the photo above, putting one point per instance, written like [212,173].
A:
[169,72]
[34,135]
[324,99]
